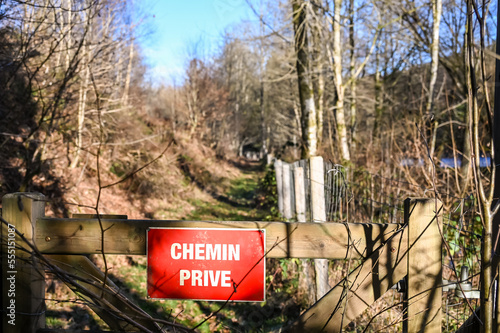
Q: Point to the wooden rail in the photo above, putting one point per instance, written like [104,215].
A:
[284,240]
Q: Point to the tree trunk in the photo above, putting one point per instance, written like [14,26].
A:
[378,98]
[352,71]
[81,116]
[297,115]
[465,168]
[174,110]
[495,162]
[487,297]
[306,94]
[82,100]
[308,113]
[264,149]
[318,73]
[129,74]
[263,119]
[58,15]
[337,70]
[437,7]
[68,34]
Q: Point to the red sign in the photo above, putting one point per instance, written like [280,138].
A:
[206,264]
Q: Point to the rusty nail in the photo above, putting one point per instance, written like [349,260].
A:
[393,249]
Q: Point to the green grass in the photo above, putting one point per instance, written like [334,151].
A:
[238,203]
[244,190]
[73,318]
[54,322]
[220,211]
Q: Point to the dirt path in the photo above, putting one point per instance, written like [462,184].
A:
[238,203]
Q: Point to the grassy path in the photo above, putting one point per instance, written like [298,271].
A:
[237,204]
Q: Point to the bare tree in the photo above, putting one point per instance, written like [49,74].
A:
[339,85]
[437,7]
[488,206]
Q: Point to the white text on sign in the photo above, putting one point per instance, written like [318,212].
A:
[205,251]
[205,278]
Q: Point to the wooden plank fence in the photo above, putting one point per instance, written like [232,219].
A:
[297,195]
[390,252]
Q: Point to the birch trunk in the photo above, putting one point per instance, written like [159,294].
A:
[264,149]
[129,74]
[437,8]
[263,119]
[337,70]
[58,15]
[81,117]
[174,111]
[119,67]
[68,34]
[319,77]
[82,98]
[378,99]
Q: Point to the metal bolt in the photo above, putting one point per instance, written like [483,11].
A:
[47,239]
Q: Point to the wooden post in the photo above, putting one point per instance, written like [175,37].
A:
[23,281]
[278,168]
[424,292]
[319,215]
[270,158]
[317,176]
[306,277]
[287,192]
[300,194]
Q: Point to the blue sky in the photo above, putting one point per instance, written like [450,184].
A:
[177,25]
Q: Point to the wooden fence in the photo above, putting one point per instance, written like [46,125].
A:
[390,252]
[301,196]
